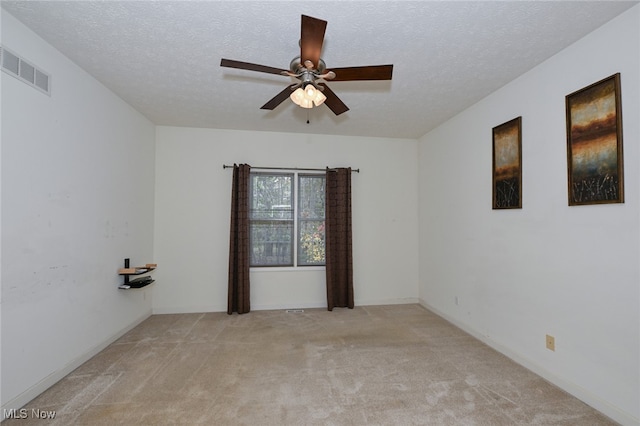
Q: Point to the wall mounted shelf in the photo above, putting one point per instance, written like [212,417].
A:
[129,271]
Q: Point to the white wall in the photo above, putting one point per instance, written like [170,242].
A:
[1,226]
[77,198]
[572,272]
[193,196]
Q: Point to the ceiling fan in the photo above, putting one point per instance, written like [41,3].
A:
[312,73]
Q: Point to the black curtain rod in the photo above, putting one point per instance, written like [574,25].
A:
[224,166]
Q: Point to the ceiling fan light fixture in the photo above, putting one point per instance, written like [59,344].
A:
[310,91]
[307,97]
[298,97]
[319,99]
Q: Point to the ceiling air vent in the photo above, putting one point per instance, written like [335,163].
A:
[19,68]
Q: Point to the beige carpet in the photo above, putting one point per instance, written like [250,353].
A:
[374,365]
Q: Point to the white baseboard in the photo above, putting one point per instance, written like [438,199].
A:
[323,304]
[579,392]
[378,302]
[53,378]
[221,308]
[189,309]
[278,306]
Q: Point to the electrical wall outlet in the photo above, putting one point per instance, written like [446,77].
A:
[551,343]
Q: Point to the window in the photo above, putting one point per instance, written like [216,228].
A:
[286,219]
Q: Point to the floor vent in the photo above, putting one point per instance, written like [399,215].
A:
[295,311]
[23,70]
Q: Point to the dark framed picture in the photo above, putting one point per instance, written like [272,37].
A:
[594,144]
[507,165]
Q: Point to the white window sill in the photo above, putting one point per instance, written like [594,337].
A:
[286,269]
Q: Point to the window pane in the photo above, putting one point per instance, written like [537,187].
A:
[271,196]
[311,243]
[271,219]
[311,197]
[271,243]
[311,220]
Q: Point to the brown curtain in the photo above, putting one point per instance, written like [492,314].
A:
[339,260]
[238,297]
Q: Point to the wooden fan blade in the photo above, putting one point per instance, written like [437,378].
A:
[333,101]
[311,39]
[372,72]
[277,99]
[251,67]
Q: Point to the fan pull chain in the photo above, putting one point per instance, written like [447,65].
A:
[307,116]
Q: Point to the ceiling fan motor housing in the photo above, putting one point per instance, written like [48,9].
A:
[296,66]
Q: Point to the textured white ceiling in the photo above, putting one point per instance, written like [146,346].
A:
[163,57]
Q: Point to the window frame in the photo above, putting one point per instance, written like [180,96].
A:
[295,240]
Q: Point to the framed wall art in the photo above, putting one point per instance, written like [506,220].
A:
[594,144]
[507,165]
